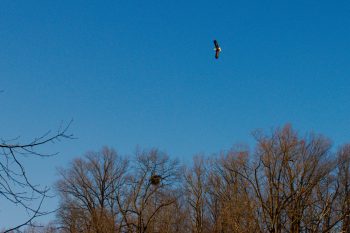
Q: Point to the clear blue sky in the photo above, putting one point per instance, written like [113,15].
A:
[143,73]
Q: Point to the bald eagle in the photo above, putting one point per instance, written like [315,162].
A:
[217,49]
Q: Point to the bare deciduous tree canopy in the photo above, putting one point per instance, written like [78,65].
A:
[104,193]
[287,183]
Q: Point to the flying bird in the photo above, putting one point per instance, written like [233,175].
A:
[217,49]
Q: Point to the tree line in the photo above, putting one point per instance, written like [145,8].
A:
[286,183]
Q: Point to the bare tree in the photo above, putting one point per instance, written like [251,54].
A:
[141,199]
[284,175]
[196,190]
[230,196]
[15,186]
[87,190]
[343,178]
[171,219]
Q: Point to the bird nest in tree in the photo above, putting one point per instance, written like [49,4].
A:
[155,179]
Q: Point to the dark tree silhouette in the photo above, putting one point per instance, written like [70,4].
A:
[15,186]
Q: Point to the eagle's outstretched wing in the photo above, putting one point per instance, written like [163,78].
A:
[216,44]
